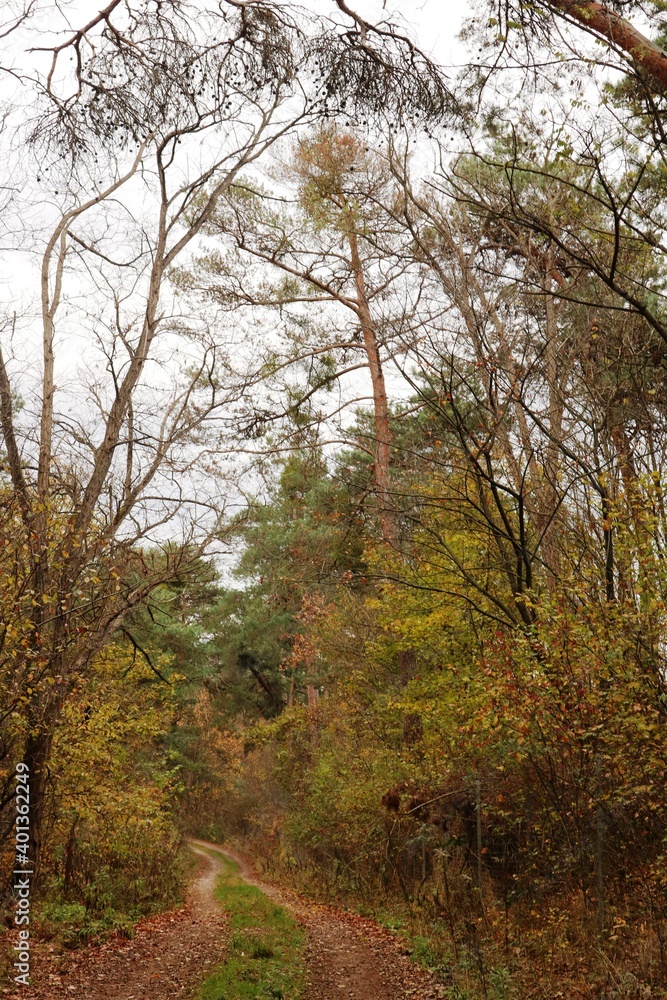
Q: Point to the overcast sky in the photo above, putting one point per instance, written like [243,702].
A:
[435,22]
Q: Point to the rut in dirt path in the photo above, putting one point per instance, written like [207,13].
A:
[348,958]
[166,959]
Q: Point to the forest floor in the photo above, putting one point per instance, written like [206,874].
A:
[348,957]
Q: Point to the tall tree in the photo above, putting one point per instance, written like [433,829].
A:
[338,247]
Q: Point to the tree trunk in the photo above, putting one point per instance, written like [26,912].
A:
[380,404]
[36,756]
[548,524]
[603,20]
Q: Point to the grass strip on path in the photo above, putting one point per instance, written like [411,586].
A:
[265,952]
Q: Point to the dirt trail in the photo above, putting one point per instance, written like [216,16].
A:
[166,959]
[348,958]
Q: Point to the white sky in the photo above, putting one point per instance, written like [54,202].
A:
[435,22]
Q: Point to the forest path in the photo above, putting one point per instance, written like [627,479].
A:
[348,957]
[165,960]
